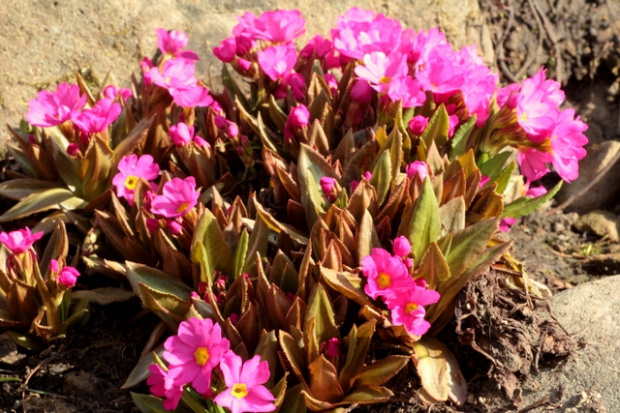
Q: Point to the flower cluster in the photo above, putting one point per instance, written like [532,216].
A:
[175,71]
[388,277]
[194,355]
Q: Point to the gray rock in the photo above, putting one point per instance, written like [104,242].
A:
[588,382]
[43,43]
[602,223]
[605,191]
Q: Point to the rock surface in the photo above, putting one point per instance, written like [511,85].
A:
[45,42]
[601,223]
[588,382]
[602,193]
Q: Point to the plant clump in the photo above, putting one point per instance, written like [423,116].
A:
[257,222]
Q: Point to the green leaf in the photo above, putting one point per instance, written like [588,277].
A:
[524,206]
[461,247]
[452,215]
[18,189]
[503,178]
[241,252]
[439,371]
[382,176]
[320,308]
[324,384]
[311,167]
[156,280]
[54,198]
[437,128]
[423,226]
[433,266]
[460,138]
[494,166]
[347,284]
[234,90]
[359,342]
[381,371]
[135,137]
[218,253]
[368,395]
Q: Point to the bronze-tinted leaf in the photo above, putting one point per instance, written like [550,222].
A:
[439,371]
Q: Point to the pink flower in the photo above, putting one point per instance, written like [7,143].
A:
[245,392]
[354,184]
[54,108]
[417,124]
[407,307]
[442,72]
[386,274]
[535,191]
[20,241]
[277,61]
[68,276]
[171,42]
[533,163]
[112,92]
[163,385]
[193,353]
[195,96]
[176,74]
[94,120]
[279,26]
[178,197]
[506,223]
[181,134]
[418,168]
[379,69]
[130,170]
[407,90]
[537,106]
[567,141]
[359,32]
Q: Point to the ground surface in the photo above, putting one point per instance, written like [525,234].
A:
[579,40]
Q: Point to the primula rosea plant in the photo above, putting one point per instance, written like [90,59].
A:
[303,232]
[35,288]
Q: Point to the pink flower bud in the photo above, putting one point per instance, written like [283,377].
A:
[174,226]
[401,246]
[299,117]
[232,129]
[483,181]
[54,267]
[73,149]
[331,348]
[327,184]
[226,50]
[152,224]
[181,134]
[68,277]
[220,121]
[361,92]
[417,124]
[417,168]
[244,64]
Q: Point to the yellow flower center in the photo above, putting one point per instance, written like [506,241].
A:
[410,308]
[130,182]
[182,207]
[385,79]
[384,280]
[239,390]
[168,79]
[524,117]
[201,355]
